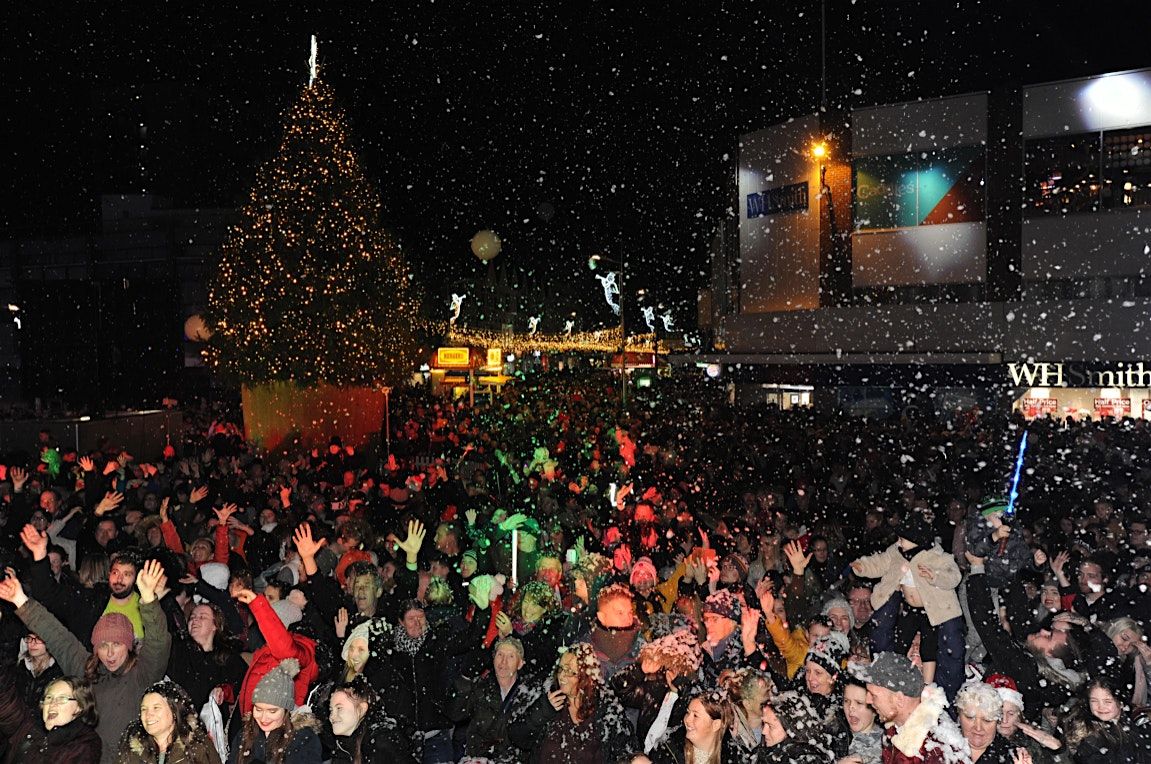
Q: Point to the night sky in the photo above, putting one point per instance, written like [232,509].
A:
[569,128]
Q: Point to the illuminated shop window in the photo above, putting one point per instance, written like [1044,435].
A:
[1062,174]
[1127,168]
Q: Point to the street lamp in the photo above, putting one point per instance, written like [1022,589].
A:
[621,264]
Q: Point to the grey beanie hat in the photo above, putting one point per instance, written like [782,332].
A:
[276,687]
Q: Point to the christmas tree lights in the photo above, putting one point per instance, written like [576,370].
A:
[309,286]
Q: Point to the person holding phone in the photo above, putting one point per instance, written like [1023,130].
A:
[578,718]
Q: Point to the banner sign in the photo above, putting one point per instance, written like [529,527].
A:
[1113,407]
[453,357]
[912,190]
[1039,407]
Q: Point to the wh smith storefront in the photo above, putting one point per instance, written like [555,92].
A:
[1083,391]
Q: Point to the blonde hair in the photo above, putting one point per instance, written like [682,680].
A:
[438,592]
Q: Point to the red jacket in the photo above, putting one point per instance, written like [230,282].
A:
[281,644]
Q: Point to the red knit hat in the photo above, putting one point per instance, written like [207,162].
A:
[113,627]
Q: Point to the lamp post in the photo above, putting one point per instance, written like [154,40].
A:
[592,264]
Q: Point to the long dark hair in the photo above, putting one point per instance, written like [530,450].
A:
[359,691]
[275,747]
[186,724]
[1080,723]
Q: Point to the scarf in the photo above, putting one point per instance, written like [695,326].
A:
[614,643]
[409,645]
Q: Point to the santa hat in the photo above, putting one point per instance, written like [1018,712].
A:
[1007,689]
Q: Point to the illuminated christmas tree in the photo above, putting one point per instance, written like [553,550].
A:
[310,288]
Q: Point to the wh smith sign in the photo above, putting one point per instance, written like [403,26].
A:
[791,198]
[1078,375]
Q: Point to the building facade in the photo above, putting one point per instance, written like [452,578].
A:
[987,247]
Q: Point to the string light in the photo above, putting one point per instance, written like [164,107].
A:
[309,286]
[603,341]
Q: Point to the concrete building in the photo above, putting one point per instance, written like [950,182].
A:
[992,246]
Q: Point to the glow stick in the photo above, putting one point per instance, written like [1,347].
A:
[515,556]
[1010,511]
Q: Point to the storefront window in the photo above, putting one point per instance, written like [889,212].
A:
[1062,175]
[1127,168]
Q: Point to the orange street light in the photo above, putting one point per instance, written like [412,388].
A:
[819,150]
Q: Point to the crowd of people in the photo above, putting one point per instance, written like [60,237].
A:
[546,577]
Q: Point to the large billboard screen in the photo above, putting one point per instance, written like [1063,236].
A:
[912,190]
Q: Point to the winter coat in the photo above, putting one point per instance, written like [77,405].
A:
[304,747]
[194,748]
[939,598]
[378,740]
[31,686]
[646,694]
[999,752]
[200,672]
[30,743]
[1002,559]
[117,694]
[790,752]
[541,644]
[614,736]
[1123,742]
[280,644]
[928,736]
[418,678]
[1040,684]
[477,702]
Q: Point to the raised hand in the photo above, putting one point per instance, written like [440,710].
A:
[1040,558]
[415,539]
[471,515]
[198,494]
[286,496]
[36,541]
[111,501]
[111,466]
[19,478]
[164,510]
[1060,562]
[503,624]
[799,561]
[767,605]
[244,595]
[749,623]
[151,580]
[224,512]
[305,544]
[341,621]
[87,464]
[11,590]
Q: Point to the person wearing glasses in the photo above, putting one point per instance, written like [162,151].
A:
[64,732]
[117,670]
